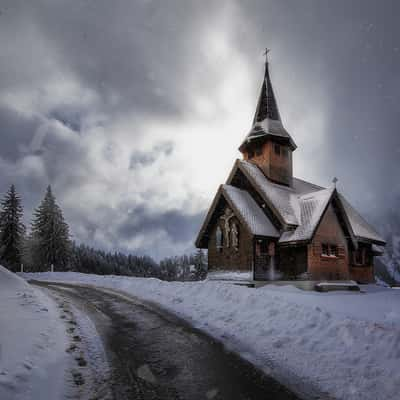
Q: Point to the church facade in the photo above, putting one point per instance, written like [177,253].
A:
[265,220]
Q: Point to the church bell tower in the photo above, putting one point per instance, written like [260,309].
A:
[269,145]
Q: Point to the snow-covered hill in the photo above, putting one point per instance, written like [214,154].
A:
[32,343]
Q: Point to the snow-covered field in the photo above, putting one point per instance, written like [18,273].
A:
[346,344]
[33,361]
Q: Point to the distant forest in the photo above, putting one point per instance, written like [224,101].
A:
[48,247]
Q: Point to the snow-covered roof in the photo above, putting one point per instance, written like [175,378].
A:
[282,199]
[361,228]
[312,206]
[300,206]
[252,215]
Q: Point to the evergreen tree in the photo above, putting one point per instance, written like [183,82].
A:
[11,229]
[50,235]
[200,262]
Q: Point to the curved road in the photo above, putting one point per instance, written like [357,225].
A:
[154,355]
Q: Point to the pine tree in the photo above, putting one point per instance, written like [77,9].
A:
[201,264]
[50,235]
[12,229]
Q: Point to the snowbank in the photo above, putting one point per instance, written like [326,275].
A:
[32,342]
[346,344]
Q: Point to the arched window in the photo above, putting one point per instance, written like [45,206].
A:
[219,238]
[235,236]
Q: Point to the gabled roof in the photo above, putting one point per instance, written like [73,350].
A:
[267,120]
[300,207]
[245,209]
[281,199]
[256,221]
[312,208]
[361,228]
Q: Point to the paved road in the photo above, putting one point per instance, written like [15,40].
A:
[155,355]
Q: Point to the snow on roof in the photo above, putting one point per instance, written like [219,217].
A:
[283,199]
[378,249]
[361,228]
[255,219]
[312,206]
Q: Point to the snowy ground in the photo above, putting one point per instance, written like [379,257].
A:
[48,349]
[347,344]
[32,342]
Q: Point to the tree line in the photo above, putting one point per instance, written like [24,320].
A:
[48,246]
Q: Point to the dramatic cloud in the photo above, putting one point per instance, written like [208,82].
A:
[134,110]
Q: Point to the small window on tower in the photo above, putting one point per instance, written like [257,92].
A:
[258,151]
[285,152]
[325,249]
[250,154]
[277,149]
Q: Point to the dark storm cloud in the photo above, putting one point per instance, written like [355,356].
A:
[176,225]
[89,91]
[15,132]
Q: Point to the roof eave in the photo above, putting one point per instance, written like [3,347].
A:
[267,135]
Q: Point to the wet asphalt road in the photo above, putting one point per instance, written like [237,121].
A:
[155,355]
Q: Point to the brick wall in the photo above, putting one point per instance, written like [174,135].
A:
[327,267]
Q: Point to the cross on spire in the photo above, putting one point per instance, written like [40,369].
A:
[267,50]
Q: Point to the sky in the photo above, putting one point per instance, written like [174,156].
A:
[133,110]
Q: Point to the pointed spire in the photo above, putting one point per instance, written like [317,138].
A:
[267,106]
[267,120]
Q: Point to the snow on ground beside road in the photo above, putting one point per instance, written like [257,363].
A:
[347,344]
[32,342]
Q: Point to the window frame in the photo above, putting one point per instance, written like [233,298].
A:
[330,250]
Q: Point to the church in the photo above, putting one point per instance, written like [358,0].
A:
[266,221]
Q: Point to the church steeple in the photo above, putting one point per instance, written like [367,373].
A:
[268,139]
[266,107]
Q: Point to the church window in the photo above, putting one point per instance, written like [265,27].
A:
[235,236]
[219,239]
[330,250]
[277,149]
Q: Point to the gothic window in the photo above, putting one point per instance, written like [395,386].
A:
[219,238]
[235,236]
[277,149]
